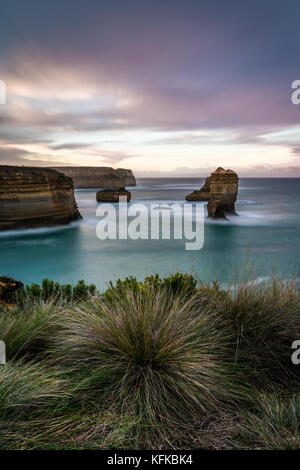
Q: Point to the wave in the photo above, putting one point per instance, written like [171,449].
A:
[248,219]
[86,190]
[244,218]
[35,242]
[253,187]
[39,230]
[87,203]
[250,203]
[166,187]
[255,281]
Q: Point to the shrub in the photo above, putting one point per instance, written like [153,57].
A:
[82,291]
[121,288]
[60,293]
[176,284]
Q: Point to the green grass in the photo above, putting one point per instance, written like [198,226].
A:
[28,329]
[265,320]
[155,354]
[156,364]
[273,424]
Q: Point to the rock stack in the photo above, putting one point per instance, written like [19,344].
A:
[220,190]
[112,195]
[35,197]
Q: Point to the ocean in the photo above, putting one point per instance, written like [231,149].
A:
[263,239]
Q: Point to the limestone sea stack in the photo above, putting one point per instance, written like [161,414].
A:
[112,195]
[35,197]
[220,190]
[98,177]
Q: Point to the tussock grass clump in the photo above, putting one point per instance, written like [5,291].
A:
[156,364]
[27,387]
[273,424]
[156,355]
[30,396]
[27,330]
[265,320]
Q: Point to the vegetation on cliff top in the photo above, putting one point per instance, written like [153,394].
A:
[163,363]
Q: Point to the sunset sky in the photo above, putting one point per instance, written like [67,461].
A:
[166,87]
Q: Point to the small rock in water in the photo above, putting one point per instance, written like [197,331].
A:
[112,195]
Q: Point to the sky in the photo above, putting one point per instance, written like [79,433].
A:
[167,88]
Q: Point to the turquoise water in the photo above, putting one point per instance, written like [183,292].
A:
[266,235]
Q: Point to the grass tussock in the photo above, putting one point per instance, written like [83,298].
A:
[265,319]
[27,388]
[274,424]
[27,330]
[159,357]
[153,364]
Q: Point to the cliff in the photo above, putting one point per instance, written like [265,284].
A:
[98,177]
[35,197]
[220,190]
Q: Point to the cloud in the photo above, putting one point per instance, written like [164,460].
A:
[17,156]
[199,74]
[71,146]
[295,151]
[111,157]
[256,171]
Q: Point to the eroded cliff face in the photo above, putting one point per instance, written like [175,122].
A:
[202,194]
[223,193]
[98,177]
[35,197]
[220,190]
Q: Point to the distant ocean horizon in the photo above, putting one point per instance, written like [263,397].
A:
[264,238]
